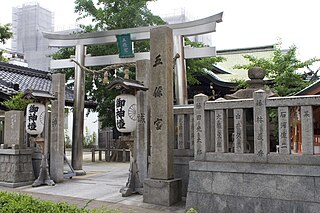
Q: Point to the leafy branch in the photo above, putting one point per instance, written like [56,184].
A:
[17,102]
[282,68]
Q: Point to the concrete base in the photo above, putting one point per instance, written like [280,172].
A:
[162,192]
[16,167]
[80,172]
[182,157]
[15,185]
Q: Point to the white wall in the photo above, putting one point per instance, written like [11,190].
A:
[90,121]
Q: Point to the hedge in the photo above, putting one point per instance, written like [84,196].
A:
[23,203]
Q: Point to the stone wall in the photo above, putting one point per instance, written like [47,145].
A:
[254,187]
[182,157]
[16,167]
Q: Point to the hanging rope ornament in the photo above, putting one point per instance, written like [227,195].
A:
[94,86]
[105,70]
[106,77]
[126,73]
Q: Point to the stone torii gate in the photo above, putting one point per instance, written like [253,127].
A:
[80,41]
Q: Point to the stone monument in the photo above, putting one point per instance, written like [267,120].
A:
[161,188]
[14,128]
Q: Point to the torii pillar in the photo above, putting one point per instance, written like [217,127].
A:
[78,112]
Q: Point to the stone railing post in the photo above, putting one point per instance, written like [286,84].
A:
[239,130]
[199,127]
[191,130]
[181,128]
[307,130]
[261,139]
[221,136]
[284,130]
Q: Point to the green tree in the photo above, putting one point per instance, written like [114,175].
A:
[120,14]
[117,14]
[282,68]
[17,102]
[108,15]
[199,65]
[5,34]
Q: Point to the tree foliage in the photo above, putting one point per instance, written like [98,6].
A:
[199,65]
[17,102]
[120,14]
[5,34]
[282,68]
[108,15]
[117,14]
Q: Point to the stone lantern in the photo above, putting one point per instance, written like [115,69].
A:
[126,118]
[256,82]
[37,121]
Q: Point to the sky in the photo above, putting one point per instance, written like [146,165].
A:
[246,23]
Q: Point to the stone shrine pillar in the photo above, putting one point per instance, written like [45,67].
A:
[142,135]
[161,188]
[57,128]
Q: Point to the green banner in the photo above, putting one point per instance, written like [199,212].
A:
[125,46]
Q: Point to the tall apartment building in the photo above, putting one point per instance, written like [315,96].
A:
[28,23]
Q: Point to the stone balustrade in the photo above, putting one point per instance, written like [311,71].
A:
[255,155]
[213,140]
[184,143]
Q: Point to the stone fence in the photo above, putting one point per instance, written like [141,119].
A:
[212,128]
[184,143]
[255,155]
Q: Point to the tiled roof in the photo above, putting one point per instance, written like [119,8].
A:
[15,78]
[6,87]
[25,77]
[312,89]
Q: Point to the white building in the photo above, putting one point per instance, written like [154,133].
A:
[15,57]
[28,23]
